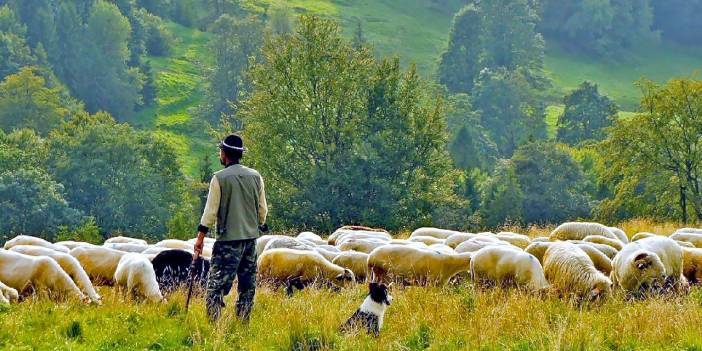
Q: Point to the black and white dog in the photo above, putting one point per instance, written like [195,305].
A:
[370,314]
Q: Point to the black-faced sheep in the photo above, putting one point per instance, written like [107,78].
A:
[172,269]
[25,273]
[416,266]
[135,273]
[507,265]
[572,273]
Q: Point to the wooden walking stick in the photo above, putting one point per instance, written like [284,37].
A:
[191,279]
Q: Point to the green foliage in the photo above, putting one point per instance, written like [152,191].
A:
[128,180]
[26,102]
[88,232]
[678,20]
[421,339]
[652,160]
[460,63]
[278,22]
[327,118]
[14,50]
[470,145]
[586,114]
[502,196]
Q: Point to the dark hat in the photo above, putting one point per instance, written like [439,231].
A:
[232,142]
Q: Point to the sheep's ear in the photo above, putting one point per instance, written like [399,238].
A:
[642,261]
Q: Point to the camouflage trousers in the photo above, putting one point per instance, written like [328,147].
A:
[232,259]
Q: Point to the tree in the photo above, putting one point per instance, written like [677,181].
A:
[129,181]
[654,159]
[149,90]
[501,196]
[14,50]
[678,20]
[359,38]
[470,145]
[278,21]
[509,109]
[552,182]
[26,102]
[326,118]
[460,63]
[31,202]
[586,114]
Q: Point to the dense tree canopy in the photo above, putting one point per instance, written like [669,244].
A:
[585,115]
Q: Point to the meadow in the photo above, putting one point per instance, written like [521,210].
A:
[456,317]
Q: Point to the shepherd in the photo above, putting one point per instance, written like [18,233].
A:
[237,202]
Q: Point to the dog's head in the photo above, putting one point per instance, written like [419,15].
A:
[379,293]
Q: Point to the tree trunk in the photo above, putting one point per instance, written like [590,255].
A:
[683,204]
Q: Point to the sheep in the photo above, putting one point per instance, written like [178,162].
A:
[692,265]
[125,240]
[478,243]
[311,237]
[416,266]
[507,265]
[572,272]
[8,295]
[355,261]
[689,230]
[620,234]
[34,241]
[519,240]
[429,240]
[599,259]
[184,245]
[540,239]
[693,238]
[685,244]
[357,232]
[456,239]
[579,230]
[287,242]
[599,239]
[153,250]
[642,235]
[263,240]
[127,247]
[135,273]
[609,251]
[70,245]
[24,273]
[68,263]
[362,245]
[437,233]
[442,248]
[173,268]
[299,268]
[99,262]
[650,263]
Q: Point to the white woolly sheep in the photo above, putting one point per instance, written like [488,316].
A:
[68,263]
[456,239]
[685,244]
[429,240]
[442,248]
[519,240]
[127,247]
[70,245]
[135,273]
[311,237]
[599,239]
[692,265]
[442,234]
[153,250]
[125,240]
[689,230]
[649,264]
[298,268]
[99,262]
[416,266]
[579,230]
[357,232]
[355,261]
[620,234]
[478,243]
[571,272]
[540,239]
[263,240]
[185,245]
[34,241]
[287,242]
[507,265]
[23,272]
[361,245]
[609,251]
[642,235]
[692,238]
[7,294]
[600,260]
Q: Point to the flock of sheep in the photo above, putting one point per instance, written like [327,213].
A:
[580,260]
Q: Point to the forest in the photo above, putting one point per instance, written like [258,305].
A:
[110,113]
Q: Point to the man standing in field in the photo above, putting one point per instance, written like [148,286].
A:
[237,202]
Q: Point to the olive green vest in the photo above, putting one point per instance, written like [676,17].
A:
[237,218]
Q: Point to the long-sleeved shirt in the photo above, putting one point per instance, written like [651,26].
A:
[236,202]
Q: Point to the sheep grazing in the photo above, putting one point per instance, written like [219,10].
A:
[519,240]
[125,240]
[689,230]
[609,251]
[135,273]
[415,265]
[579,230]
[127,247]
[692,265]
[437,233]
[642,235]
[599,259]
[357,232]
[362,245]
[299,268]
[620,234]
[599,239]
[34,241]
[70,245]
[442,248]
[356,262]
[40,274]
[685,244]
[311,237]
[99,262]
[478,243]
[287,242]
[8,295]
[692,238]
[652,264]
[68,263]
[572,273]
[456,239]
[263,240]
[507,265]
[428,240]
[540,239]
[172,268]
